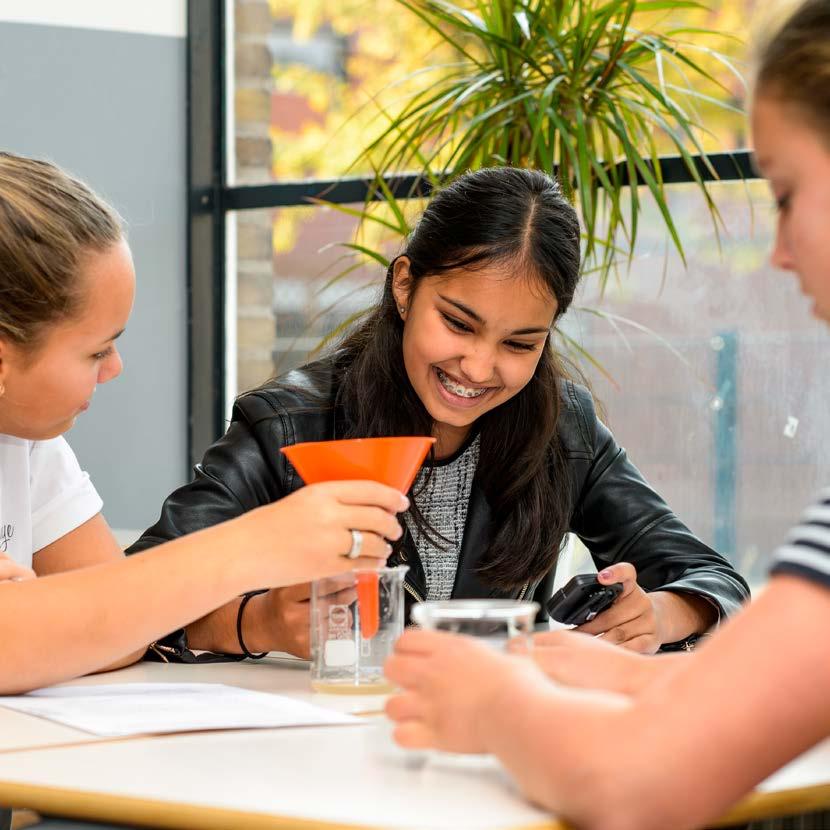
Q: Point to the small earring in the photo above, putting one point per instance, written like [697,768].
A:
[401,309]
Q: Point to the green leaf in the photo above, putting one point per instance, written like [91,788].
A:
[338,331]
[572,345]
[616,319]
[377,257]
[363,215]
[669,5]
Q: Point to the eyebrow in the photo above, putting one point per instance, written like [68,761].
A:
[114,337]
[472,314]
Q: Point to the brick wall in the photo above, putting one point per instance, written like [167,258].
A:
[252,108]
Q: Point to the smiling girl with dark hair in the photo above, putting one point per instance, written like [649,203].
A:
[459,347]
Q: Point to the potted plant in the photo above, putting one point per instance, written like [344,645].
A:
[595,91]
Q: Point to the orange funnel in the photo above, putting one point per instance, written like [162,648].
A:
[392,461]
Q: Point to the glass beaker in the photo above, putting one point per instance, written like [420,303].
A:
[355,619]
[494,620]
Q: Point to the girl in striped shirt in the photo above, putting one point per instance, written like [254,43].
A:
[670,741]
[806,551]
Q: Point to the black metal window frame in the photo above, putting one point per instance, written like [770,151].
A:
[210,199]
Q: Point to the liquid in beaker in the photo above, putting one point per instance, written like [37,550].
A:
[356,618]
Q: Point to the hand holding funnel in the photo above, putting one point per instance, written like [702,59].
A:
[393,461]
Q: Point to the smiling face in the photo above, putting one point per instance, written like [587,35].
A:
[46,390]
[471,341]
[795,157]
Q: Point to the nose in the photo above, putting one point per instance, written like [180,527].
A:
[478,364]
[781,257]
[111,368]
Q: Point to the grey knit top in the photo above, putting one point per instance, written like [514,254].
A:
[443,498]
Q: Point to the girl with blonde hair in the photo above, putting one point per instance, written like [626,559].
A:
[70,603]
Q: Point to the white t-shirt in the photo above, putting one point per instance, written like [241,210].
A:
[44,495]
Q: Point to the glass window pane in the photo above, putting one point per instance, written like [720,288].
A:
[722,402]
[711,376]
[296,281]
[307,78]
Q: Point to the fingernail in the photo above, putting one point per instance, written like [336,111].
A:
[16,579]
[404,504]
[606,574]
[388,549]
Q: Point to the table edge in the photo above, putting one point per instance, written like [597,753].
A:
[176,815]
[759,805]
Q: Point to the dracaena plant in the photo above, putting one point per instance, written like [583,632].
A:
[592,90]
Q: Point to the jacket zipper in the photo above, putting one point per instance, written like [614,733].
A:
[412,592]
[523,591]
[159,650]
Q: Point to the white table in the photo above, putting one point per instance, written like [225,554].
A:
[286,676]
[316,778]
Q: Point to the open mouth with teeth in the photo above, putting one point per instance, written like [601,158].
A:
[458,389]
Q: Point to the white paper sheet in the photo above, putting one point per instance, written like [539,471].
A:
[119,710]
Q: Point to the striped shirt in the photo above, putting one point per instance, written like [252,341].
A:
[806,550]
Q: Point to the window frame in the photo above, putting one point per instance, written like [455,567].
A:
[211,199]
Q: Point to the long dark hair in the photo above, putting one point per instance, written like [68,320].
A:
[504,216]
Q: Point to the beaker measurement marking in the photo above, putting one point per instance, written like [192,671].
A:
[339,621]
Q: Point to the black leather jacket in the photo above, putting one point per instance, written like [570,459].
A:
[616,514]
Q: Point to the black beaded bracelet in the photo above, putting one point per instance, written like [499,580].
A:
[245,598]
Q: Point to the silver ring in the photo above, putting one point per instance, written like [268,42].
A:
[357,545]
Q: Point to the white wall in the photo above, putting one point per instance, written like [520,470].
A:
[149,17]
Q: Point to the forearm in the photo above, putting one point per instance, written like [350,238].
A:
[645,672]
[216,631]
[123,662]
[79,621]
[681,615]
[650,764]
[772,660]
[558,745]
